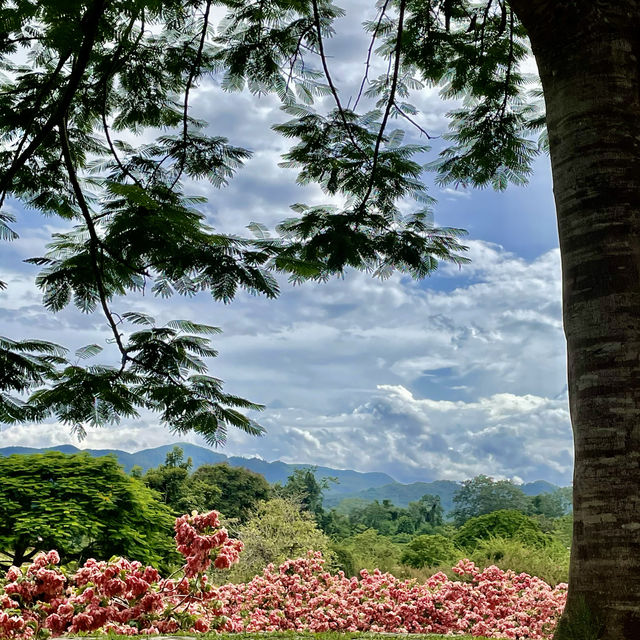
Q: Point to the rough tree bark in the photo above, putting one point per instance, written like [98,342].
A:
[588,55]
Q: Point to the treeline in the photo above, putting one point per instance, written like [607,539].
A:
[89,507]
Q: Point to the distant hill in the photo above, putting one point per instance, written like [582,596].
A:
[538,487]
[348,481]
[354,485]
[402,494]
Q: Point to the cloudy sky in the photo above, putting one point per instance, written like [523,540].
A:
[460,374]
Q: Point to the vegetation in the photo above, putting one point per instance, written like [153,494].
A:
[237,493]
[504,523]
[278,530]
[83,507]
[429,551]
[87,506]
[96,69]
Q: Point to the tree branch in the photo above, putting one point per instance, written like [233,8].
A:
[390,103]
[195,69]
[327,73]
[94,241]
[509,70]
[369,52]
[412,121]
[90,22]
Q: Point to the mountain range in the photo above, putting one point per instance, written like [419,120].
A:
[354,485]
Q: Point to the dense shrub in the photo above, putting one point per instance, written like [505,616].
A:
[119,596]
[428,551]
[278,530]
[368,550]
[505,524]
[301,596]
[550,563]
[127,598]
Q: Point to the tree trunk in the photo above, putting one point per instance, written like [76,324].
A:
[588,56]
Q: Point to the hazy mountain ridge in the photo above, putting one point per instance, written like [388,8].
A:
[348,481]
[367,486]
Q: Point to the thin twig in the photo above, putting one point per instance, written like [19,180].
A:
[390,103]
[484,25]
[94,241]
[412,121]
[114,153]
[116,64]
[371,45]
[507,78]
[195,69]
[332,87]
[294,58]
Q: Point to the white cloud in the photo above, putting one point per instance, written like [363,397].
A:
[398,375]
[460,374]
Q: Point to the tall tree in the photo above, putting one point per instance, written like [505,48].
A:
[172,481]
[303,487]
[97,68]
[587,55]
[234,491]
[83,507]
[482,495]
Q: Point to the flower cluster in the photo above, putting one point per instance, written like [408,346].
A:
[128,598]
[119,596]
[200,538]
[301,595]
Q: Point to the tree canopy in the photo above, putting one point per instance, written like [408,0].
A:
[483,494]
[238,491]
[83,507]
[79,78]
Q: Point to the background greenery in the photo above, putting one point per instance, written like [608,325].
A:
[89,506]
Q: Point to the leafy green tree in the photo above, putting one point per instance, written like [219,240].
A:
[427,513]
[376,516]
[551,563]
[550,505]
[234,491]
[367,550]
[176,487]
[336,525]
[302,486]
[278,530]
[483,495]
[428,551]
[95,69]
[503,524]
[81,506]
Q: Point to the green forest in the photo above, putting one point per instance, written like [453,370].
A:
[87,507]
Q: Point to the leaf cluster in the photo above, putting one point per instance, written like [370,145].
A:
[81,81]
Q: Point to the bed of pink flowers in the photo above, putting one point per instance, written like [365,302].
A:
[41,600]
[300,595]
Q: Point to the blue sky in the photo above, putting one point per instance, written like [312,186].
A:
[460,374]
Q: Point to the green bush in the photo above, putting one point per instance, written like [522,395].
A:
[369,550]
[428,551]
[551,563]
[504,524]
[278,530]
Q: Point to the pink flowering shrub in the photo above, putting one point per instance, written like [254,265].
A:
[300,595]
[120,596]
[128,598]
